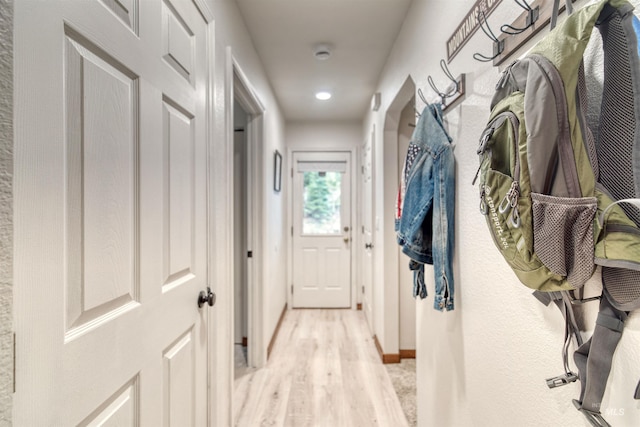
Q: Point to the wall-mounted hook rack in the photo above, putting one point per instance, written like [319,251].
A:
[498,44]
[532,16]
[512,42]
[453,92]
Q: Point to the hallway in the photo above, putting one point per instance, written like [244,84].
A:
[324,371]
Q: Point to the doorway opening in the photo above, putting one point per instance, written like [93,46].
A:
[241,243]
[397,311]
[245,136]
[407,304]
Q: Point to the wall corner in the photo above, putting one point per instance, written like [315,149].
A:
[6,212]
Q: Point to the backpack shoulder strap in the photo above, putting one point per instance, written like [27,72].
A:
[594,358]
[556,11]
[565,45]
[622,73]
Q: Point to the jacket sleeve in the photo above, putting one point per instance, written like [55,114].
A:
[443,229]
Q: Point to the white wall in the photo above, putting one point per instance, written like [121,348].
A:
[6,210]
[485,362]
[323,135]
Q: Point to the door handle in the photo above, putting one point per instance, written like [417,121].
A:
[206,297]
[368,245]
[346,240]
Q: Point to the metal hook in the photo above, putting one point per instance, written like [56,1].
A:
[422,97]
[498,45]
[532,17]
[445,70]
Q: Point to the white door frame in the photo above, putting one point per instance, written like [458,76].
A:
[218,399]
[390,337]
[371,319]
[237,87]
[355,222]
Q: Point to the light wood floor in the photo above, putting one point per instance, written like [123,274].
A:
[324,371]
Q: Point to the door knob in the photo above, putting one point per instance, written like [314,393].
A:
[368,245]
[346,240]
[206,297]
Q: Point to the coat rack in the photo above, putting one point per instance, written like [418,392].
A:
[536,16]
[498,45]
[454,91]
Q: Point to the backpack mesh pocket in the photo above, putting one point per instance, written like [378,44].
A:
[563,235]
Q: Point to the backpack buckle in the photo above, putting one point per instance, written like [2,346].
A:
[561,380]
[486,135]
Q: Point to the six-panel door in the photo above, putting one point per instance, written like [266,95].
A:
[111,213]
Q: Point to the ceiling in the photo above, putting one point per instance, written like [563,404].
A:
[360,34]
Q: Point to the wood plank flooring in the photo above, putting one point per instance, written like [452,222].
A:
[324,371]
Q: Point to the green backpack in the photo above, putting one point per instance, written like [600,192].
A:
[559,201]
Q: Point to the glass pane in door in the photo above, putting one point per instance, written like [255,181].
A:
[321,203]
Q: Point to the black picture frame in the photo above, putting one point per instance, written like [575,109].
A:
[277,171]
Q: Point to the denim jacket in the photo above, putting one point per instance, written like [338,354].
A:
[426,206]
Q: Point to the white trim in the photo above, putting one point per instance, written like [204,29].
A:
[355,242]
[371,319]
[289,230]
[245,92]
[237,87]
[219,397]
[390,337]
[205,11]
[355,236]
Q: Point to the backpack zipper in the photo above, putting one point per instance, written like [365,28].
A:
[505,74]
[510,200]
[484,139]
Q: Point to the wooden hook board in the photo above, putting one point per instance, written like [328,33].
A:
[513,42]
[447,102]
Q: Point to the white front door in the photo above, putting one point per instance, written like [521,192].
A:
[367,229]
[110,213]
[321,230]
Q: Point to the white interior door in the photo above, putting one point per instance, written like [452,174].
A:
[322,230]
[367,229]
[111,213]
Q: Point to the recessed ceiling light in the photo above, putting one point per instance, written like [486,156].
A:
[323,96]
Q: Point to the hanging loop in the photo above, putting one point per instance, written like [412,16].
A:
[452,92]
[532,17]
[498,45]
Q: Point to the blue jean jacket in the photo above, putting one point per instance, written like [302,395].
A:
[425,218]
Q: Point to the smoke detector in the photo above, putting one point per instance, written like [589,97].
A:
[322,52]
